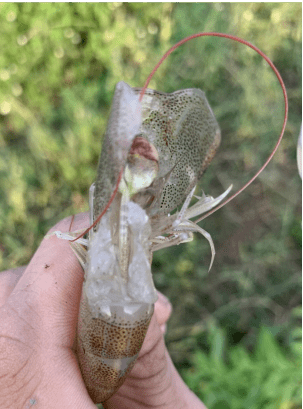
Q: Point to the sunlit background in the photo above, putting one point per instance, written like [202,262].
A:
[235,333]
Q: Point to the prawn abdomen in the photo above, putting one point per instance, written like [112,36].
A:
[110,346]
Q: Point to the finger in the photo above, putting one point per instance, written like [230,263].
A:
[163,310]
[73,223]
[8,281]
[51,286]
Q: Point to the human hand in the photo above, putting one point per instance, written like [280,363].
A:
[38,316]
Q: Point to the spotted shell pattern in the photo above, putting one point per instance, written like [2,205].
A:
[181,126]
[107,349]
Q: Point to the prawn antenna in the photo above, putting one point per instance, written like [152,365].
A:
[143,90]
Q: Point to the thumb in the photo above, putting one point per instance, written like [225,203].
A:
[51,287]
[163,310]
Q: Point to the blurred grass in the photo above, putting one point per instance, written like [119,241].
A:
[58,69]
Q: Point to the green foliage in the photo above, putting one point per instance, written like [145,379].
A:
[58,69]
[226,378]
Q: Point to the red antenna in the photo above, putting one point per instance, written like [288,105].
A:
[185,40]
[270,63]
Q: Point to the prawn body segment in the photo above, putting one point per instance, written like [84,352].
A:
[108,347]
